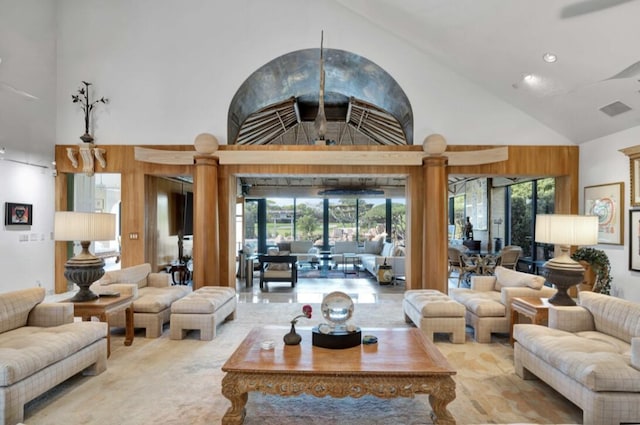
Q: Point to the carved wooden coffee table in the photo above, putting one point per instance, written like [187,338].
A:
[403,363]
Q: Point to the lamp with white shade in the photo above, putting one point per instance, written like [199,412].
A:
[85,268]
[565,230]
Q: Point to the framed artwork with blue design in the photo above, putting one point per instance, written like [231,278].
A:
[18,214]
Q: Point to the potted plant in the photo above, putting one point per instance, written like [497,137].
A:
[599,262]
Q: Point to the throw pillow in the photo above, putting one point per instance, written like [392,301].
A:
[508,278]
[284,246]
[373,247]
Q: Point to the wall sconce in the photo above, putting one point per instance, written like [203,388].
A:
[87,153]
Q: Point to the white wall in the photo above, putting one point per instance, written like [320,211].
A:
[27,263]
[602,163]
[171,69]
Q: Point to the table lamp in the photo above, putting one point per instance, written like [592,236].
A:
[85,268]
[565,230]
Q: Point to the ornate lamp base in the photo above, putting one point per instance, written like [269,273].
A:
[563,278]
[83,270]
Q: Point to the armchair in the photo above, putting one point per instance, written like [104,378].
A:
[278,268]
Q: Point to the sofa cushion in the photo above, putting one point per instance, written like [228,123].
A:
[509,278]
[345,247]
[612,316]
[598,361]
[373,247]
[16,305]
[155,300]
[300,247]
[26,350]
[134,274]
[284,246]
[481,303]
[387,249]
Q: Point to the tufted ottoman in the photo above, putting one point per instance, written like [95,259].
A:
[203,309]
[434,312]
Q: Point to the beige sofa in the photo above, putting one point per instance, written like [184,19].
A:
[372,255]
[41,346]
[590,353]
[152,293]
[488,301]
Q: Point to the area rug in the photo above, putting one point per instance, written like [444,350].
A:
[161,381]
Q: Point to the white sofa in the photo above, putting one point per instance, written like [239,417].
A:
[590,354]
[303,250]
[488,301]
[41,346]
[152,293]
[372,255]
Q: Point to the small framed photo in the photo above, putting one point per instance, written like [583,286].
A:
[635,181]
[634,240]
[18,214]
[606,201]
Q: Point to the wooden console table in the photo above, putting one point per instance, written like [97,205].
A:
[537,309]
[403,363]
[101,308]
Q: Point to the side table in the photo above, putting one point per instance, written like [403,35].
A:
[350,260]
[537,309]
[101,308]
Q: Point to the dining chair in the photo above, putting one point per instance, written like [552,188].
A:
[509,256]
[463,263]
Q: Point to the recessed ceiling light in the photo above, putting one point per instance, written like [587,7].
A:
[549,57]
[530,79]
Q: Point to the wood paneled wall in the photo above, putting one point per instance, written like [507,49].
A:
[215,192]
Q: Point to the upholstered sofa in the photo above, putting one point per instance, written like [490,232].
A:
[303,250]
[152,293]
[372,255]
[590,354]
[41,345]
[488,301]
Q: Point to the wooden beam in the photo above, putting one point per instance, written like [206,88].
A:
[323,156]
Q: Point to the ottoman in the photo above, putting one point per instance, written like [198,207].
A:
[202,309]
[434,312]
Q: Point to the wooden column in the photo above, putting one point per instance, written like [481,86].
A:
[415,200]
[61,249]
[206,248]
[434,255]
[227,223]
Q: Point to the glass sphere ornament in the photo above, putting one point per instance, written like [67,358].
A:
[337,308]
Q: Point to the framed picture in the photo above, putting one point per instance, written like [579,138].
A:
[607,202]
[634,240]
[635,181]
[18,214]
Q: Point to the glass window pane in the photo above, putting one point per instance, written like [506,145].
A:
[372,219]
[398,220]
[546,192]
[342,220]
[251,225]
[308,220]
[522,216]
[279,220]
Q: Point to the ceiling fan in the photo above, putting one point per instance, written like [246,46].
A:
[585,7]
[8,87]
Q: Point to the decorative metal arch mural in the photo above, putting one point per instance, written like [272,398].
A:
[282,94]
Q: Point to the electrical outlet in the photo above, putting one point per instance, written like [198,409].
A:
[23,238]
[39,283]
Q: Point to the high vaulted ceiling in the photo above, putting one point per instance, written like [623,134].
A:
[493,44]
[497,43]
